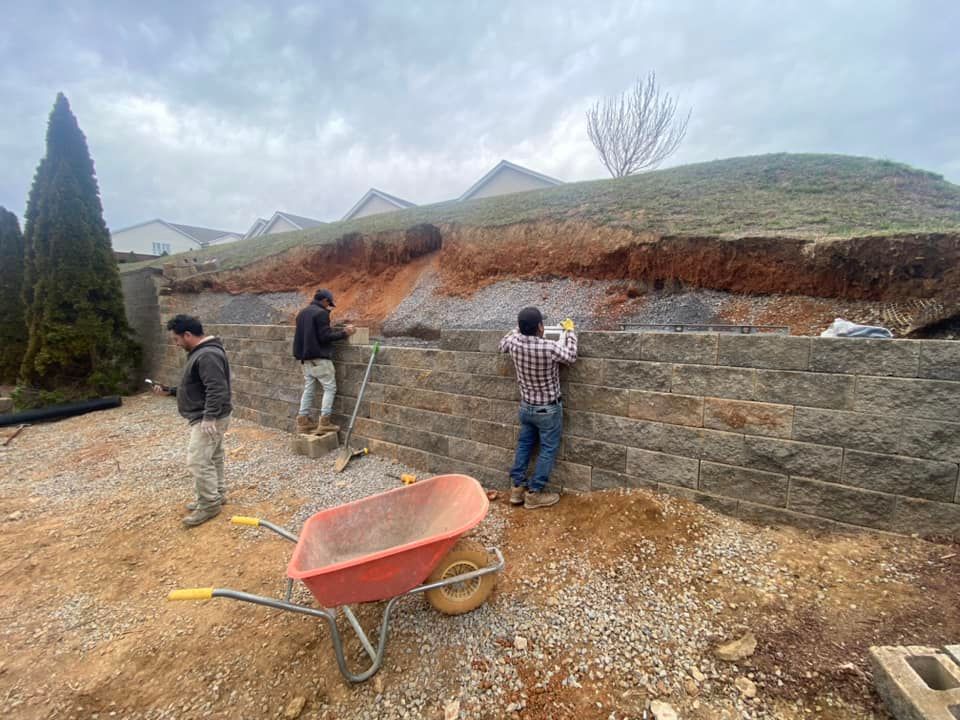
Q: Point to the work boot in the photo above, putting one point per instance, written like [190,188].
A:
[194,505]
[326,425]
[304,424]
[198,517]
[534,500]
[516,494]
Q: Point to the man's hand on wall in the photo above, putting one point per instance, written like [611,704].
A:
[349,329]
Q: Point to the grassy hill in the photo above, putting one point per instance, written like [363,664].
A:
[767,195]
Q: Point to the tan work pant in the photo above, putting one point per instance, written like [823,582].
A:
[205,461]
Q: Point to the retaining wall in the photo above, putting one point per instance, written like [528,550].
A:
[810,431]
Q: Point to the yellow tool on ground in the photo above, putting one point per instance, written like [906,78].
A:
[408,478]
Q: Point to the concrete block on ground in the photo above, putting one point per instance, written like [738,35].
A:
[917,682]
[669,408]
[928,518]
[842,503]
[866,356]
[750,418]
[856,431]
[940,359]
[735,482]
[722,382]
[691,348]
[928,479]
[634,375]
[806,389]
[726,506]
[314,446]
[774,352]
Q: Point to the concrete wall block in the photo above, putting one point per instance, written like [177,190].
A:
[928,518]
[788,457]
[601,479]
[928,479]
[620,345]
[497,365]
[478,453]
[753,485]
[504,412]
[595,398]
[634,375]
[806,389]
[865,356]
[846,429]
[929,439]
[267,332]
[662,468]
[585,370]
[690,348]
[423,399]
[595,453]
[774,352]
[933,399]
[361,336]
[570,476]
[750,418]
[491,433]
[666,407]
[486,386]
[766,515]
[842,503]
[407,436]
[488,341]
[723,382]
[939,360]
[487,477]
[359,355]
[463,340]
[724,505]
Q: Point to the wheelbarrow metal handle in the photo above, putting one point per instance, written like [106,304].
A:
[259,522]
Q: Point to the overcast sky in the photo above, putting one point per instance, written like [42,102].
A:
[215,112]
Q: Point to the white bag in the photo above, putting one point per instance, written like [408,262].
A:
[845,328]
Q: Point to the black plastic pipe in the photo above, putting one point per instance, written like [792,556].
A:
[57,412]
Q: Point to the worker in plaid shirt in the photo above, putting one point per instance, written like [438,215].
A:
[537,361]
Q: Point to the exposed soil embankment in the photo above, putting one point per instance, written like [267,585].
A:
[874,268]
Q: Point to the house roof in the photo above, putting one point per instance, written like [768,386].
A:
[298,221]
[512,166]
[386,197]
[256,229]
[200,235]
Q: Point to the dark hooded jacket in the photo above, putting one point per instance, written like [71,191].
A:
[204,391]
[314,337]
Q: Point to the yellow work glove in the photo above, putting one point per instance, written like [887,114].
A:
[567,325]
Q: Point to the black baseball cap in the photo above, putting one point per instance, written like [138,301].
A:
[528,320]
[324,295]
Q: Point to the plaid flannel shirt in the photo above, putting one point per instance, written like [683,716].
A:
[538,364]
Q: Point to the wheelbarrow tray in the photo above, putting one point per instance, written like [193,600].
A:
[386,544]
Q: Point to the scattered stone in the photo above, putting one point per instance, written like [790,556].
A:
[738,649]
[17,515]
[663,711]
[746,686]
[378,684]
[697,675]
[691,687]
[295,707]
[520,643]
[451,711]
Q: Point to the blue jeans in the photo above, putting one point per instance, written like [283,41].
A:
[543,423]
[318,372]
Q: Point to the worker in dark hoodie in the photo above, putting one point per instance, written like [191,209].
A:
[203,398]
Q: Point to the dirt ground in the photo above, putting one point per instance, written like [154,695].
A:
[92,543]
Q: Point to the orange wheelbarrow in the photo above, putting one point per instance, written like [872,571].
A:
[384,547]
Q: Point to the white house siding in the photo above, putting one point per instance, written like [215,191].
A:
[507,181]
[281,226]
[141,239]
[374,206]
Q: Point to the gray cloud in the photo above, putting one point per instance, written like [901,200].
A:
[213,113]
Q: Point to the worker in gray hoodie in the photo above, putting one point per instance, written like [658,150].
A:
[203,398]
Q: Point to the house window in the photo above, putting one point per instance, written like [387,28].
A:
[161,248]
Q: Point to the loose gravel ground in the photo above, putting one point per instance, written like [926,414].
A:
[608,602]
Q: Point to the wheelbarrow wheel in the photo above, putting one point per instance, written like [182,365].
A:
[458,598]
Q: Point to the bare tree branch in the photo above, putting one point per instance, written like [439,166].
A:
[636,130]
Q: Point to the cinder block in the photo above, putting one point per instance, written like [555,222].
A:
[666,407]
[774,352]
[735,383]
[788,457]
[753,485]
[611,401]
[267,332]
[585,370]
[916,682]
[691,348]
[660,467]
[314,446]
[928,479]
[750,418]
[928,518]
[940,359]
[620,345]
[766,515]
[842,503]
[361,336]
[856,431]
[928,439]
[603,479]
[464,340]
[634,375]
[477,453]
[805,389]
[865,356]
[595,453]
[933,399]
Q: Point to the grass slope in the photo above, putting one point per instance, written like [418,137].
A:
[766,195]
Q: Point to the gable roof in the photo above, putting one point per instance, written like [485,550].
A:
[200,235]
[298,221]
[256,229]
[512,166]
[400,203]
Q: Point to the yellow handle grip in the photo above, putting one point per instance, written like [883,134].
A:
[191,594]
[244,520]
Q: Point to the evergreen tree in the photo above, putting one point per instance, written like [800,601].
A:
[79,341]
[13,330]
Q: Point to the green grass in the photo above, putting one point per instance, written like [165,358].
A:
[780,195]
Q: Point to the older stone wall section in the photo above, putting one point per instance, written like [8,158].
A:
[809,431]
